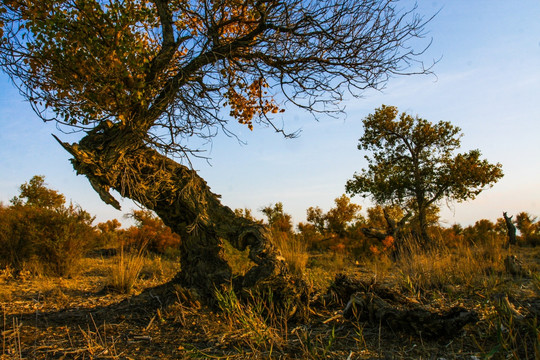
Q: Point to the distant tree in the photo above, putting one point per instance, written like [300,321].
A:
[529,228]
[316,219]
[484,231]
[412,162]
[310,235]
[109,226]
[142,77]
[35,193]
[453,236]
[278,219]
[246,214]
[337,219]
[109,233]
[150,233]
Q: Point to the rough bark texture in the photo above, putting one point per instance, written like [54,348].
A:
[377,305]
[114,158]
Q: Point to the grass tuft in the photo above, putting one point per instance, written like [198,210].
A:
[125,271]
[247,321]
[293,249]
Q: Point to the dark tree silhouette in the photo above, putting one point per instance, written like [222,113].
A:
[510,229]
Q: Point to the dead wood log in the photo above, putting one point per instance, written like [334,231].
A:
[381,306]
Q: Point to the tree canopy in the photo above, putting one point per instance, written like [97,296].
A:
[412,163]
[337,219]
[168,69]
[141,77]
[35,193]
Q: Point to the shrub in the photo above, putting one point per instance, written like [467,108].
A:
[56,238]
[151,233]
[38,229]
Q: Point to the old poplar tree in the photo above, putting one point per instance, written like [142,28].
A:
[139,77]
[412,163]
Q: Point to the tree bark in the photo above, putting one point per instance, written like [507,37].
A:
[425,242]
[114,158]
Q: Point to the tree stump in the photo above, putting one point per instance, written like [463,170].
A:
[510,229]
[514,266]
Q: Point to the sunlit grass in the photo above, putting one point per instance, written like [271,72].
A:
[294,250]
[125,270]
[472,275]
[250,320]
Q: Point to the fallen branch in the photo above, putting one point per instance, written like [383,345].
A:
[379,305]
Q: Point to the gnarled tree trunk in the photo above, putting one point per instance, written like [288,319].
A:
[115,158]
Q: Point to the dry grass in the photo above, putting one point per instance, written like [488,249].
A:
[250,322]
[98,345]
[294,250]
[47,317]
[125,271]
[444,269]
[11,338]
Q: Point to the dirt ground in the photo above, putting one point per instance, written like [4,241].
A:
[78,318]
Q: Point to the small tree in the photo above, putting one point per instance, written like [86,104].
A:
[278,220]
[337,220]
[35,193]
[413,162]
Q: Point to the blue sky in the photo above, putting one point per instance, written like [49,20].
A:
[487,82]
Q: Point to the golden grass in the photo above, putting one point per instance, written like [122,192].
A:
[248,321]
[125,270]
[294,250]
[472,276]
[444,269]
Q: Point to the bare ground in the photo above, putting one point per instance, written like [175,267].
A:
[54,318]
